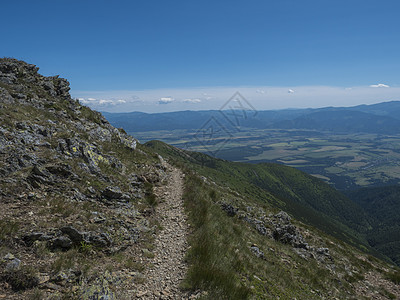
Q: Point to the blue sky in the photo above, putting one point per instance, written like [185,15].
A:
[133,54]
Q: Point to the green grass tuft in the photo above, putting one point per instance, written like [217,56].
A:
[212,267]
[394,276]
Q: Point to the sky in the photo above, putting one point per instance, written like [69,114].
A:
[173,55]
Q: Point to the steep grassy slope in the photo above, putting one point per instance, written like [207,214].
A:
[305,197]
[383,207]
[237,253]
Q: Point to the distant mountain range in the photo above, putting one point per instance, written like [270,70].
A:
[381,118]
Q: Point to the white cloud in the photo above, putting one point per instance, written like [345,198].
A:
[84,101]
[290,91]
[166,100]
[260,91]
[379,85]
[192,100]
[104,102]
[101,102]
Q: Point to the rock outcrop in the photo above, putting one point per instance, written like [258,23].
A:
[280,228]
[73,190]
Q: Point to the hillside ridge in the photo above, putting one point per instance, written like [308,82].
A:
[77,195]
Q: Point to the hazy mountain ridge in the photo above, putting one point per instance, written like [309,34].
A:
[361,118]
[340,121]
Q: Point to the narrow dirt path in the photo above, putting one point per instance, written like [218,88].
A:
[168,268]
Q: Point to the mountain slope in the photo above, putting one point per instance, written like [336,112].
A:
[76,195]
[86,212]
[390,109]
[340,121]
[229,212]
[383,207]
[307,198]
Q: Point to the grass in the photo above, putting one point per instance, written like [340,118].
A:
[394,276]
[65,260]
[8,228]
[127,262]
[37,294]
[60,205]
[150,197]
[86,248]
[88,114]
[22,279]
[147,253]
[133,265]
[221,261]
[41,249]
[74,259]
[212,268]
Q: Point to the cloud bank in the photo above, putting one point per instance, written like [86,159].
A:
[261,97]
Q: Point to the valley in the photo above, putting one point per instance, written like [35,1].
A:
[346,161]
